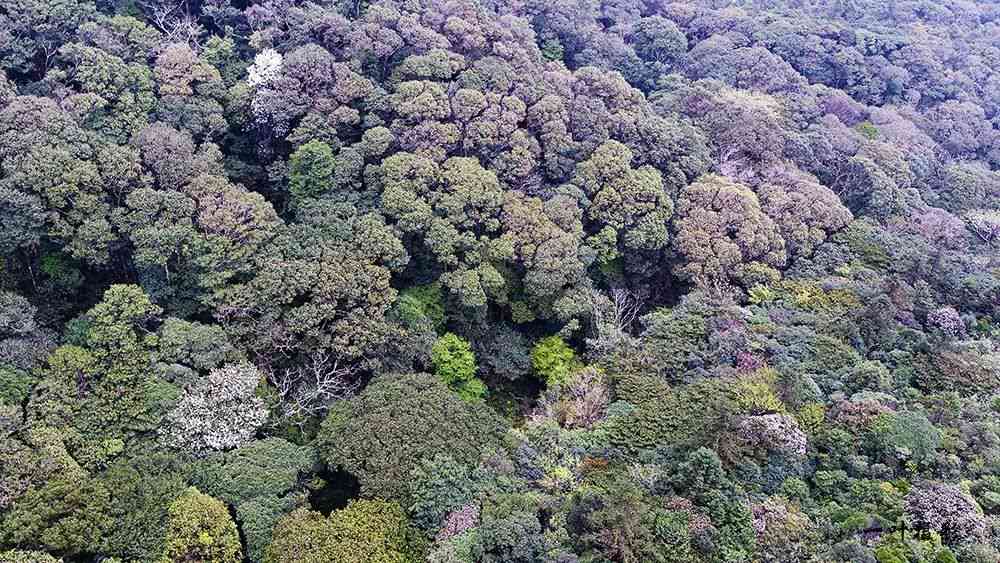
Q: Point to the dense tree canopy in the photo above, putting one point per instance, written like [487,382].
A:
[491,280]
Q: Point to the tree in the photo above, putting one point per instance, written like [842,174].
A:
[105,389]
[271,467]
[201,347]
[306,390]
[310,170]
[366,530]
[945,509]
[126,89]
[199,528]
[784,532]
[24,556]
[262,480]
[141,493]
[553,360]
[423,303]
[72,189]
[168,153]
[722,235]
[64,514]
[23,219]
[454,209]
[258,518]
[37,29]
[220,412]
[509,530]
[581,402]
[314,294]
[546,250]
[455,364]
[627,207]
[17,315]
[778,433]
[657,39]
[160,227]
[266,67]
[610,517]
[805,212]
[381,434]
[504,355]
[439,486]
[191,92]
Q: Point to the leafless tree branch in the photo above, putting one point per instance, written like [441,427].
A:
[309,389]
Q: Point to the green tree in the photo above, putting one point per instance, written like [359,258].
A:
[105,389]
[423,302]
[68,513]
[455,364]
[553,360]
[611,518]
[191,92]
[312,294]
[262,480]
[142,490]
[366,530]
[310,170]
[39,29]
[454,210]
[72,191]
[627,205]
[723,235]
[543,241]
[438,486]
[382,434]
[199,528]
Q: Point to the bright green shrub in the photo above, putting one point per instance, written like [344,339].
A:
[553,360]
[455,364]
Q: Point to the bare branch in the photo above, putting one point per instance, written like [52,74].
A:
[309,389]
[614,314]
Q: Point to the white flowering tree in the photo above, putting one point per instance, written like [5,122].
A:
[220,412]
[265,68]
[985,223]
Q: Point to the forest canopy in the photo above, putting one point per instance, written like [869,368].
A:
[547,281]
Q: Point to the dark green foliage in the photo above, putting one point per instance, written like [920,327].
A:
[612,518]
[730,270]
[200,347]
[257,519]
[422,302]
[141,492]
[671,338]
[504,354]
[265,468]
[14,386]
[509,531]
[437,487]
[67,514]
[381,435]
[310,170]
